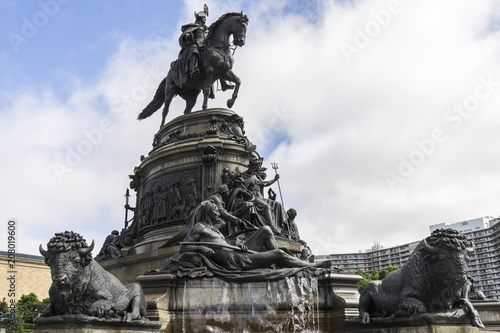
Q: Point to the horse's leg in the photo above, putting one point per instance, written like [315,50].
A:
[230,76]
[209,72]
[168,99]
[170,93]
[206,92]
[190,97]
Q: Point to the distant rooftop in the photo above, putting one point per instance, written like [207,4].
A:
[23,256]
[466,225]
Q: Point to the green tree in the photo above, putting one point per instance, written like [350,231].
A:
[383,273]
[43,304]
[364,282]
[29,307]
[14,325]
[362,273]
[375,275]
[3,307]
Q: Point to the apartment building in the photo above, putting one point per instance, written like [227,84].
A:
[376,258]
[484,265]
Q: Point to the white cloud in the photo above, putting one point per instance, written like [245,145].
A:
[347,124]
[353,120]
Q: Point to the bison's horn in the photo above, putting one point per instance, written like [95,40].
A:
[43,252]
[86,250]
[429,248]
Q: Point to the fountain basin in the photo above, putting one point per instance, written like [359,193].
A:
[295,304]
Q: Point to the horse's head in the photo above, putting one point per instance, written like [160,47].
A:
[234,24]
[240,31]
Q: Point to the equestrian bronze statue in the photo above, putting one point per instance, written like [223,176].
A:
[206,56]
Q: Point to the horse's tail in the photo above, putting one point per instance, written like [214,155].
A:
[156,103]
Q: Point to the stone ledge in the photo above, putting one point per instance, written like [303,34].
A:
[87,324]
[182,304]
[451,322]
[417,329]
[489,311]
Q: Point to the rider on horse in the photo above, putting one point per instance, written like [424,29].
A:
[192,42]
[215,62]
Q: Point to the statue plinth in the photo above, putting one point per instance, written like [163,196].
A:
[184,167]
[489,311]
[189,155]
[456,321]
[434,328]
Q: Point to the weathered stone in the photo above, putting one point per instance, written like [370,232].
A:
[180,172]
[293,304]
[183,151]
[86,324]
[489,311]
[434,328]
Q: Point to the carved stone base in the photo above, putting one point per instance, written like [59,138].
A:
[435,328]
[258,322]
[489,311]
[442,322]
[212,305]
[86,324]
[449,322]
[186,166]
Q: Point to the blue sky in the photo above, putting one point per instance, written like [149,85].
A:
[77,38]
[382,115]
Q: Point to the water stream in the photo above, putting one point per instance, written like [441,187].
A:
[289,305]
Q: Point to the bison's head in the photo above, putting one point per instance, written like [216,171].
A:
[67,254]
[447,253]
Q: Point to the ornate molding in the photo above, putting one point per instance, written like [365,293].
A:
[233,127]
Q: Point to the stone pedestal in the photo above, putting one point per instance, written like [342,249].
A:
[489,311]
[192,156]
[210,304]
[185,167]
[456,321]
[85,324]
[435,328]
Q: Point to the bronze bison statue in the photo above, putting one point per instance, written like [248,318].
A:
[430,282]
[82,286]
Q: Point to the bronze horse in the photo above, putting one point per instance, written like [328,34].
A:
[216,62]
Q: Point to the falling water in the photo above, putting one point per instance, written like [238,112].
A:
[303,315]
[184,302]
[289,305]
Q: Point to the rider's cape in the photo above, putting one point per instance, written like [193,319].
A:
[192,33]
